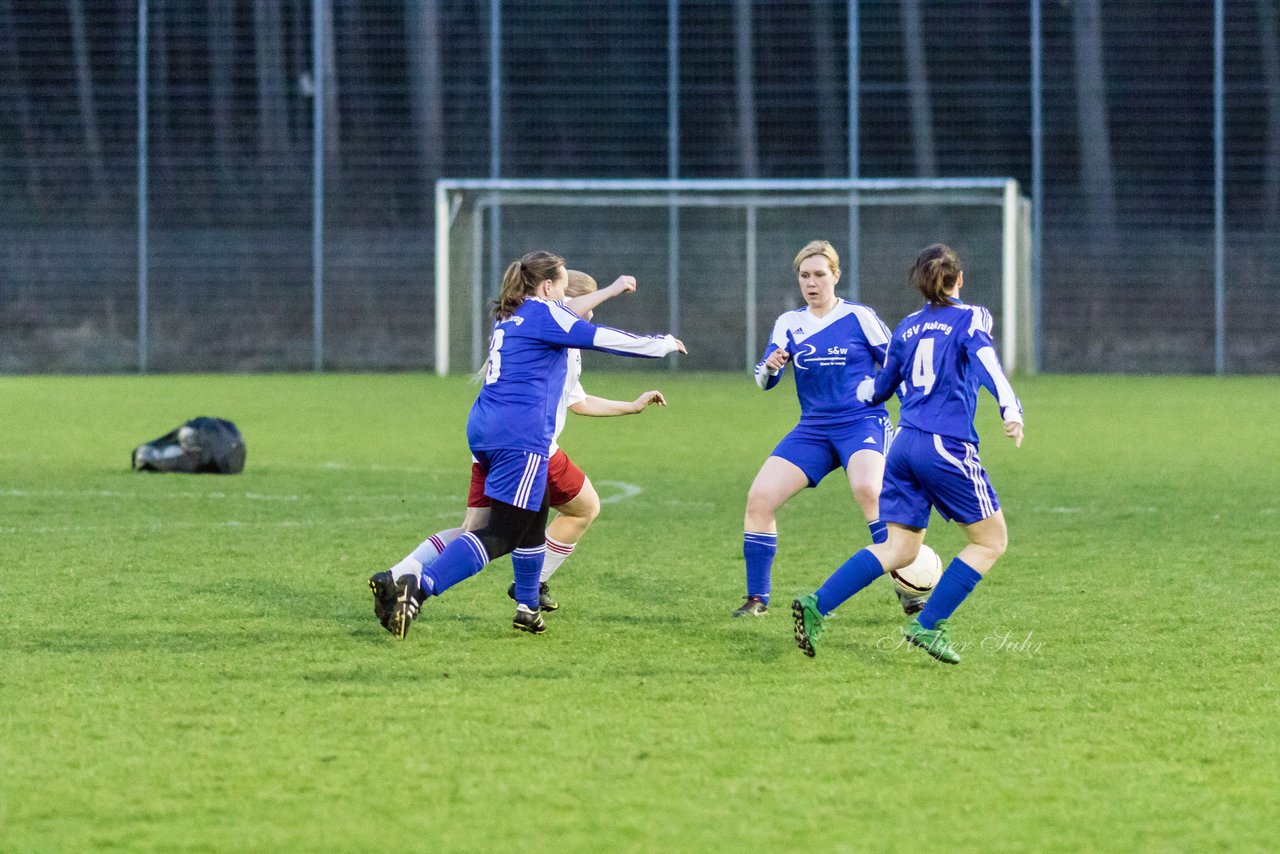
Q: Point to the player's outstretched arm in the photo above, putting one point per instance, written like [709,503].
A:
[602,407]
[589,302]
[561,326]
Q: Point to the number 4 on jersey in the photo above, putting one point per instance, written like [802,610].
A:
[922,373]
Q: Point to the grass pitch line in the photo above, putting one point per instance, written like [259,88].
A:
[626,491]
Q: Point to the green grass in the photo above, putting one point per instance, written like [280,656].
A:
[191,663]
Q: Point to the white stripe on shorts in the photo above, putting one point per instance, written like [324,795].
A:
[974,476]
[975,471]
[526,481]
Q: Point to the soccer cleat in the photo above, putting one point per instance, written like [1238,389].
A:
[545,602]
[528,621]
[383,586]
[933,641]
[754,606]
[911,605]
[409,599]
[809,623]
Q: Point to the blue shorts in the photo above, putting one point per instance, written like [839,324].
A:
[926,470]
[514,477]
[818,451]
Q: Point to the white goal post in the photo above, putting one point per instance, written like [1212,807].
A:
[699,248]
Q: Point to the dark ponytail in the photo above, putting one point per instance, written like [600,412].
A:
[935,272]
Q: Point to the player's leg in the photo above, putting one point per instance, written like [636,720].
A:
[866,480]
[866,476]
[573,519]
[988,539]
[960,489]
[863,445]
[516,484]
[383,584]
[778,479]
[432,547]
[577,505]
[810,612]
[907,512]
[526,563]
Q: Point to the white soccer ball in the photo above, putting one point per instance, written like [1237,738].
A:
[919,577]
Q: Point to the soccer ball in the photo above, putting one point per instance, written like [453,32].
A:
[918,577]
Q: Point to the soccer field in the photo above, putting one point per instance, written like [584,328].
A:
[192,663]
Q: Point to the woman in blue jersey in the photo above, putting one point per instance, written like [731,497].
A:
[832,344]
[510,429]
[940,355]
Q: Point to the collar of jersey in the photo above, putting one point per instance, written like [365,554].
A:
[843,309]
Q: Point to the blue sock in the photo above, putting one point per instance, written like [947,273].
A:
[956,583]
[879,531]
[527,564]
[853,575]
[460,560]
[759,548]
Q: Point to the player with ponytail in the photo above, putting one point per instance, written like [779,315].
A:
[510,430]
[940,355]
[571,493]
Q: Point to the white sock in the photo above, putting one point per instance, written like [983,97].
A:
[557,553]
[408,566]
[426,552]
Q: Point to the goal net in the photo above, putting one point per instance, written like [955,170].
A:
[712,258]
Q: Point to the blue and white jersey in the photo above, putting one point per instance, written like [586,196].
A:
[831,355]
[516,409]
[940,355]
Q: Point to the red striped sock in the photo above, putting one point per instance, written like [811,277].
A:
[557,553]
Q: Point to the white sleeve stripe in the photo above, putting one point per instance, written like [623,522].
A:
[875,331]
[981,320]
[563,316]
[624,342]
[1004,390]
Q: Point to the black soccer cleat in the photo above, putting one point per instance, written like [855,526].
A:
[528,621]
[409,599]
[911,605]
[754,606]
[545,601]
[383,586]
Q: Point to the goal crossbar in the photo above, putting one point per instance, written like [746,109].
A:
[748,194]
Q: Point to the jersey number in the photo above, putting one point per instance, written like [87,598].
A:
[922,375]
[495,357]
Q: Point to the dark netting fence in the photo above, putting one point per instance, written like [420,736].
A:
[255,259]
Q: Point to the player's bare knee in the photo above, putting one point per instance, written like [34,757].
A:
[893,555]
[993,542]
[761,504]
[866,492]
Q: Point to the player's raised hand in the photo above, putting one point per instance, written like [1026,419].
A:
[776,360]
[680,346]
[1013,429]
[624,284]
[649,398]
